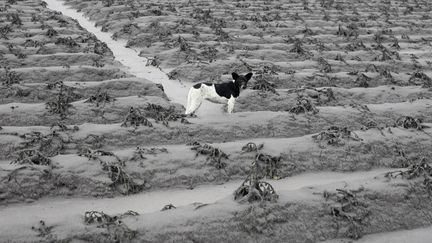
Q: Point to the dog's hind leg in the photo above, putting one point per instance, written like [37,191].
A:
[195,99]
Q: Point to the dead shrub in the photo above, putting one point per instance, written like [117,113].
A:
[140,152]
[135,118]
[100,97]
[363,80]
[61,102]
[253,190]
[262,84]
[31,157]
[336,135]
[252,147]
[348,208]
[418,169]
[304,105]
[43,230]
[409,122]
[9,77]
[164,115]
[121,180]
[168,207]
[420,78]
[214,155]
[117,231]
[66,41]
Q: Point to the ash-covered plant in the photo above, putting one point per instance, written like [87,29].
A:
[252,147]
[100,97]
[201,15]
[336,136]
[49,145]
[351,30]
[96,154]
[15,50]
[363,80]
[121,180]
[262,84]
[101,48]
[60,126]
[140,152]
[51,32]
[33,43]
[92,217]
[221,35]
[420,78]
[153,61]
[325,67]
[61,102]
[268,68]
[164,115]
[4,31]
[117,230]
[14,18]
[327,93]
[268,166]
[43,230]
[98,62]
[31,157]
[416,170]
[183,44]
[410,122]
[9,77]
[303,105]
[254,190]
[66,41]
[135,118]
[298,48]
[214,155]
[209,52]
[168,207]
[307,31]
[371,68]
[347,207]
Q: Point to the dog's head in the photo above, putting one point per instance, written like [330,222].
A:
[241,80]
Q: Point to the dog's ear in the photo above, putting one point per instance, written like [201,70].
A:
[248,76]
[235,76]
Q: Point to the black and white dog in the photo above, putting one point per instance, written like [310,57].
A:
[223,93]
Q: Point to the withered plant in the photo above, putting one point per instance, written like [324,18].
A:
[214,155]
[303,105]
[135,118]
[335,135]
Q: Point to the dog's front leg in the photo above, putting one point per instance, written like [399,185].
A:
[231,103]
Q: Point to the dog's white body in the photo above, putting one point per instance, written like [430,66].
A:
[206,92]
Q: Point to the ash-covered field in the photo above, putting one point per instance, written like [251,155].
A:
[330,142]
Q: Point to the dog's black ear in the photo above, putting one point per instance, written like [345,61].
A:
[248,76]
[235,76]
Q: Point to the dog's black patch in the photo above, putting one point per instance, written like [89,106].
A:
[198,85]
[227,90]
